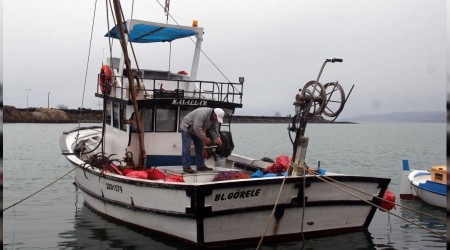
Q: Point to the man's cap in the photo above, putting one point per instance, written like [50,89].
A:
[220,114]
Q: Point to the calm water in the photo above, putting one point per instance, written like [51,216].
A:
[57,219]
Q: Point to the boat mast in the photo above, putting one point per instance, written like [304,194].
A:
[198,47]
[123,43]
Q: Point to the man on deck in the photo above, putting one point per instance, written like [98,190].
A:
[193,127]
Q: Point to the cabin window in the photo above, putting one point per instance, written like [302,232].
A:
[166,120]
[183,112]
[148,120]
[108,112]
[116,115]
[123,116]
[132,123]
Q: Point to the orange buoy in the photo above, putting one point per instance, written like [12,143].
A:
[388,201]
[105,79]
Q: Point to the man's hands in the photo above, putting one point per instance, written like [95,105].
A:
[207,141]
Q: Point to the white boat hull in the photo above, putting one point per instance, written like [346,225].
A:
[431,198]
[203,212]
[420,180]
[214,213]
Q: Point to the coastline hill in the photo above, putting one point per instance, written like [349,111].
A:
[431,116]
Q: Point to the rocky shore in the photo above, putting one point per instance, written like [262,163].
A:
[44,115]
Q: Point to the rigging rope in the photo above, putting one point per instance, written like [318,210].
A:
[368,202]
[273,212]
[132,9]
[361,191]
[170,53]
[31,96]
[110,40]
[166,10]
[209,59]
[131,44]
[329,181]
[20,201]
[87,66]
[88,59]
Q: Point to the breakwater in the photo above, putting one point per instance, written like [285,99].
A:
[44,115]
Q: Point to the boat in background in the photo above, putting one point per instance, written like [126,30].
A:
[130,167]
[429,186]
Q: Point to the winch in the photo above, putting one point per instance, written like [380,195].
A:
[316,102]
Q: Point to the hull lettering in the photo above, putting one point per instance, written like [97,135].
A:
[189,102]
[114,187]
[238,194]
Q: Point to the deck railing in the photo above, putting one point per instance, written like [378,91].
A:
[181,89]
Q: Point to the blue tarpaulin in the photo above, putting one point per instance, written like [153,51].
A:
[144,33]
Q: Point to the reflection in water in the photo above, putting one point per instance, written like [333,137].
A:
[92,231]
[417,234]
[356,240]
[76,201]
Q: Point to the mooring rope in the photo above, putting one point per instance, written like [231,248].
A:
[273,212]
[370,203]
[324,179]
[361,191]
[29,196]
[275,206]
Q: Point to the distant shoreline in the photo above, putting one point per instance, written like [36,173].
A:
[44,115]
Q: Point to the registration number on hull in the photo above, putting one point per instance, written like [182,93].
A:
[113,187]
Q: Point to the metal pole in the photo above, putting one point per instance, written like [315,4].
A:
[27,97]
[48,100]
[123,43]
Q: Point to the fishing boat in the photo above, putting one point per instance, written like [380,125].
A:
[429,186]
[129,169]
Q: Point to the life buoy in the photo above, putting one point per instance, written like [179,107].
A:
[183,72]
[105,79]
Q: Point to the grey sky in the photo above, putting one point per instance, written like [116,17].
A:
[394,51]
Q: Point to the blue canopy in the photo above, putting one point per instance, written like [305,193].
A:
[145,33]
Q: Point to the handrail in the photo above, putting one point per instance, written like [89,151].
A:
[219,91]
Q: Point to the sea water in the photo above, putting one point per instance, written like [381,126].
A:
[56,217]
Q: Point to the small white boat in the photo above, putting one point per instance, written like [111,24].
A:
[140,133]
[426,185]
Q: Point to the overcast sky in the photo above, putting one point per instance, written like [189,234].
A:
[394,51]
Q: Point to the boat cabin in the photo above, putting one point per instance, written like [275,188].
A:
[439,174]
[163,98]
